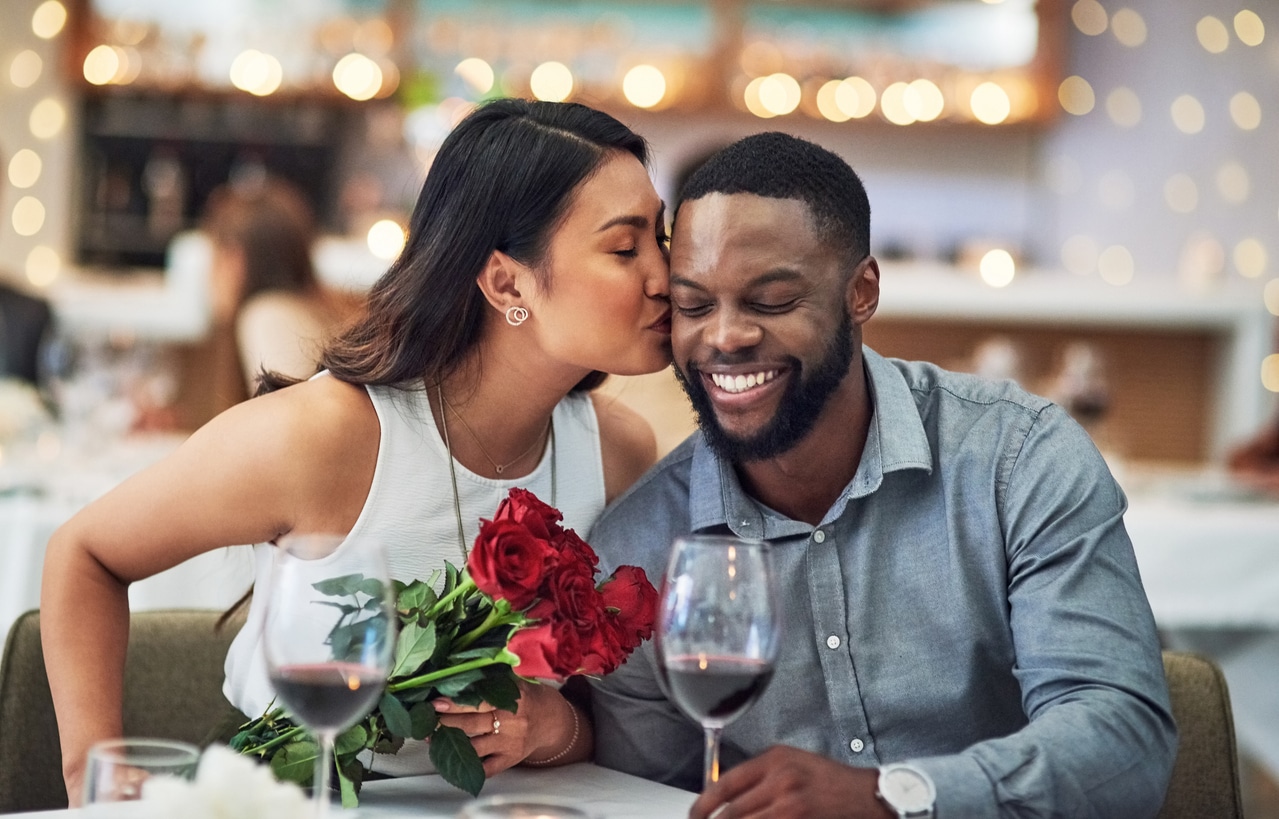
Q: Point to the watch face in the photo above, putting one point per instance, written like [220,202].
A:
[906,789]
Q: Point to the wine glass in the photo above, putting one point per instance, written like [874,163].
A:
[328,636]
[717,631]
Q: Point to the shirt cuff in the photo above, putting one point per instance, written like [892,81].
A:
[963,788]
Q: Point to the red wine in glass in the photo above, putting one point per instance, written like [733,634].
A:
[716,689]
[717,632]
[327,695]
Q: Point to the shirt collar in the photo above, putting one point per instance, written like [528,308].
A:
[895,441]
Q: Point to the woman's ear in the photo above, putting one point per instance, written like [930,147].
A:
[501,280]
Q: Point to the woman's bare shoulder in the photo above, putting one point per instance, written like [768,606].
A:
[627,442]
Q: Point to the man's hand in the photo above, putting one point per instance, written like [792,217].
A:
[787,783]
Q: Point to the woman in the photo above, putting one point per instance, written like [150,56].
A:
[264,288]
[536,260]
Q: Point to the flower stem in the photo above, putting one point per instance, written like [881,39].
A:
[493,618]
[292,733]
[418,682]
[463,587]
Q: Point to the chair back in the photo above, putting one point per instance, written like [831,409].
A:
[172,690]
[1205,775]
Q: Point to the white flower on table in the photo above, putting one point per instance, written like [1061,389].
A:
[227,786]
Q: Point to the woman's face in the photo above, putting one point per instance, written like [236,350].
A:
[606,302]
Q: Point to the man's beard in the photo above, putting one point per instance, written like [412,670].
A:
[805,398]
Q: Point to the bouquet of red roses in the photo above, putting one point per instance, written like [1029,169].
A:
[526,605]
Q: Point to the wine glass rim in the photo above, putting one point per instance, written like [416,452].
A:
[723,541]
[131,749]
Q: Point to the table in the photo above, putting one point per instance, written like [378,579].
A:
[43,485]
[1208,551]
[610,794]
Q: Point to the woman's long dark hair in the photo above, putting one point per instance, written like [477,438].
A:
[502,180]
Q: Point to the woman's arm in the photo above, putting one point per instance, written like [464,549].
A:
[301,459]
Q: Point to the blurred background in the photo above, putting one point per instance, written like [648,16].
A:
[1080,195]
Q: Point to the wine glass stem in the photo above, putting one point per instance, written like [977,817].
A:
[712,758]
[320,798]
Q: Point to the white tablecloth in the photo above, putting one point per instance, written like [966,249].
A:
[41,489]
[1209,557]
[608,794]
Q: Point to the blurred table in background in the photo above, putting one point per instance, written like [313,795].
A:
[43,483]
[1208,549]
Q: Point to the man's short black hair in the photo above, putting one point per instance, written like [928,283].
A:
[780,166]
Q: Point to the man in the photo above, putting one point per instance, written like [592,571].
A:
[959,594]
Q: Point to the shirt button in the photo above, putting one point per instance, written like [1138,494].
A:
[832,641]
[857,745]
[819,536]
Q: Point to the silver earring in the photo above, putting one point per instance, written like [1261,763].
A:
[516,315]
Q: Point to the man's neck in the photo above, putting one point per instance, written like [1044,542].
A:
[805,481]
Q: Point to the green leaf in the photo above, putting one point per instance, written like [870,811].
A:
[450,578]
[372,587]
[388,745]
[339,586]
[499,688]
[345,608]
[424,719]
[416,595]
[415,646]
[349,778]
[485,653]
[295,762]
[412,695]
[351,741]
[456,760]
[451,686]
[396,716]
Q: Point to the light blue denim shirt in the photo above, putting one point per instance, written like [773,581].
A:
[970,603]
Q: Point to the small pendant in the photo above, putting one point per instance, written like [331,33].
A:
[498,469]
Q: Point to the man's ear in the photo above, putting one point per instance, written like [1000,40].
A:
[501,279]
[862,296]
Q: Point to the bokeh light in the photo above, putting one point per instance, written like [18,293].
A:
[1188,114]
[24,168]
[49,19]
[28,216]
[1249,28]
[386,239]
[102,65]
[1124,107]
[1202,259]
[997,268]
[257,72]
[1115,265]
[893,104]
[990,103]
[25,68]
[924,100]
[644,86]
[1076,96]
[551,81]
[1245,111]
[1089,17]
[43,265]
[1250,258]
[1234,183]
[827,105]
[1270,372]
[47,119]
[477,74]
[1270,294]
[856,97]
[1212,34]
[358,76]
[1128,27]
[779,93]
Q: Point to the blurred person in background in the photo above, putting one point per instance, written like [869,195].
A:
[535,262]
[264,290]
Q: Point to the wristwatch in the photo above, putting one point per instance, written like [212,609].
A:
[907,790]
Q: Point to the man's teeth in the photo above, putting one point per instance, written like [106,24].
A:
[741,383]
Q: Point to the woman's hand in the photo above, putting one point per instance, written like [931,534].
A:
[542,727]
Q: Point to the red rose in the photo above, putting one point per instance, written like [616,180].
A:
[602,649]
[575,550]
[546,651]
[526,509]
[508,561]
[634,599]
[575,597]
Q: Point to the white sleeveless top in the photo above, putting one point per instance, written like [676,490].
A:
[410,509]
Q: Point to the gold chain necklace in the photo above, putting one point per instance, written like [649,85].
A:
[448,448]
[498,468]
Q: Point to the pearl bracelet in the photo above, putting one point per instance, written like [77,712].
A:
[577,725]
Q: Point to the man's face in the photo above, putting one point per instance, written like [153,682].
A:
[761,330]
